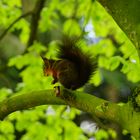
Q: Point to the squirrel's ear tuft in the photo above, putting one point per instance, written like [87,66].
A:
[44,59]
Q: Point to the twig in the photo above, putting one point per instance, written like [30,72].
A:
[34,21]
[12,24]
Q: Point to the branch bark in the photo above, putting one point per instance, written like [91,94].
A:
[122,114]
[34,21]
[76,99]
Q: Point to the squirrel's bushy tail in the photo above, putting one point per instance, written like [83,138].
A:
[84,62]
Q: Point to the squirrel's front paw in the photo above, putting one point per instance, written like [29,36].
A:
[57,91]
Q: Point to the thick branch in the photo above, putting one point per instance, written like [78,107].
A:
[34,21]
[123,114]
[25,101]
[82,101]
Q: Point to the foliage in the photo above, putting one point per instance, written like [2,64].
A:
[103,38]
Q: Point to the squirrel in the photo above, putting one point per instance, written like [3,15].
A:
[74,68]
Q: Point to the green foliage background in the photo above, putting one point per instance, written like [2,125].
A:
[22,72]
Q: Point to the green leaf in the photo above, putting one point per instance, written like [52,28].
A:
[71,27]
[114,62]
[8,126]
[101,134]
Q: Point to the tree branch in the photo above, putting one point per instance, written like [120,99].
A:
[25,101]
[34,21]
[82,101]
[13,23]
[123,114]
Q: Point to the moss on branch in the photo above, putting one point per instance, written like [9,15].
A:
[123,114]
[82,101]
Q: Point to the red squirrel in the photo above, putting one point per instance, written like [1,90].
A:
[74,68]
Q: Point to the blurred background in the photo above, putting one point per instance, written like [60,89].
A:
[33,27]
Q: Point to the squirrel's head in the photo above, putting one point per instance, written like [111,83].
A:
[48,67]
